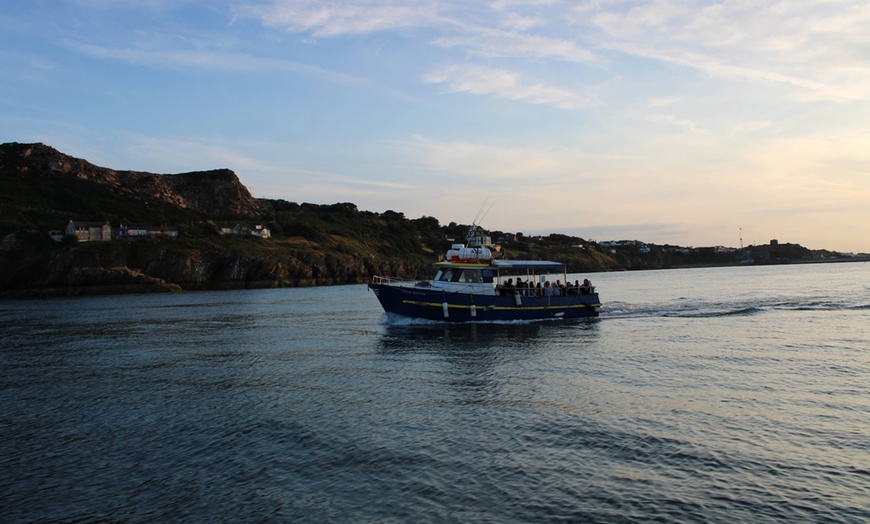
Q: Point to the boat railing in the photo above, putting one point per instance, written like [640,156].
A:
[386,280]
[546,292]
[400,281]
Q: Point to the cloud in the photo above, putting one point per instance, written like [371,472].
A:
[827,166]
[816,48]
[488,163]
[511,85]
[131,4]
[751,126]
[672,120]
[332,19]
[520,22]
[807,89]
[497,43]
[265,176]
[637,20]
[178,155]
[206,60]
[663,101]
[491,33]
[26,66]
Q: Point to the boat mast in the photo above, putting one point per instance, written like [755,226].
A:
[478,218]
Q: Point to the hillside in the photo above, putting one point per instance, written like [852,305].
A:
[42,189]
[40,184]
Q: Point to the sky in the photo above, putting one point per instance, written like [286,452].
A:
[693,123]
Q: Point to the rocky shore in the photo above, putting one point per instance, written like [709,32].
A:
[148,267]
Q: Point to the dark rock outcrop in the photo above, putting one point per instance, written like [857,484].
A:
[216,193]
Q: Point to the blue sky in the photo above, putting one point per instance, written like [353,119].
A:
[663,121]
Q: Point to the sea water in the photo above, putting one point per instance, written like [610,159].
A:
[700,395]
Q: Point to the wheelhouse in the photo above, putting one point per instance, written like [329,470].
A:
[464,275]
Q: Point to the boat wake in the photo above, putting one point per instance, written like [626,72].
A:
[699,309]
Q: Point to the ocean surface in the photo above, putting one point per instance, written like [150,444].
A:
[699,395]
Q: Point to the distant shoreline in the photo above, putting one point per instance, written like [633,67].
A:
[775,263]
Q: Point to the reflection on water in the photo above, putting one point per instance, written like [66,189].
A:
[454,338]
[478,362]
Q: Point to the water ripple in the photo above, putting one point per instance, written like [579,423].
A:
[698,396]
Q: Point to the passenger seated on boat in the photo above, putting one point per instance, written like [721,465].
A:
[539,290]
[574,289]
[586,288]
[508,287]
[528,288]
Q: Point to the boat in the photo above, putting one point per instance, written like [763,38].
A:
[472,286]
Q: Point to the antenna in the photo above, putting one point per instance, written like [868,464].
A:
[741,238]
[481,214]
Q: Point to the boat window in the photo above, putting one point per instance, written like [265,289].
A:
[446,275]
[439,274]
[471,275]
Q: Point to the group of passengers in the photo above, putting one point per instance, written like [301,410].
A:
[547,289]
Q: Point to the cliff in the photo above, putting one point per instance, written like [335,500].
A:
[217,193]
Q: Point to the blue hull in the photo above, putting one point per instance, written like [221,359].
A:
[466,307]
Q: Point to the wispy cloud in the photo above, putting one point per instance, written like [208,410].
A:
[816,48]
[511,85]
[671,120]
[25,66]
[808,89]
[182,154]
[751,126]
[331,19]
[493,33]
[176,155]
[491,162]
[206,60]
[498,43]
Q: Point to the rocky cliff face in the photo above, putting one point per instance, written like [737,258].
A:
[150,267]
[217,193]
